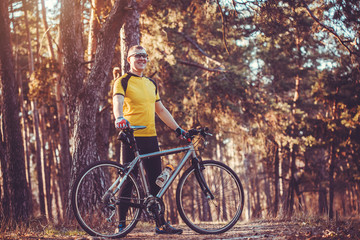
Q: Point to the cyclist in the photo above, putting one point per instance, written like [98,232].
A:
[135,102]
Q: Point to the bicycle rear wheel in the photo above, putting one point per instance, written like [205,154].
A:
[96,209]
[208,216]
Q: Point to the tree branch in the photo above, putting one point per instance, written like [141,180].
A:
[196,45]
[223,26]
[234,6]
[200,66]
[329,29]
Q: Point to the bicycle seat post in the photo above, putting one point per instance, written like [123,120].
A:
[132,142]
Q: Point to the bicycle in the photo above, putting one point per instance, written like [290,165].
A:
[209,195]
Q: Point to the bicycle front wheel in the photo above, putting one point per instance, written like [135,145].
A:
[210,216]
[99,209]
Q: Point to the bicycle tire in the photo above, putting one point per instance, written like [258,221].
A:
[92,210]
[206,216]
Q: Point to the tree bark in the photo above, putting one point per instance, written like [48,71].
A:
[46,162]
[24,111]
[48,177]
[14,152]
[72,49]
[5,200]
[129,36]
[331,180]
[332,154]
[276,182]
[96,6]
[85,113]
[36,127]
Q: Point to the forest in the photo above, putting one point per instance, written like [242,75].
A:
[277,82]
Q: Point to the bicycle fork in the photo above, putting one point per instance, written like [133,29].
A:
[199,167]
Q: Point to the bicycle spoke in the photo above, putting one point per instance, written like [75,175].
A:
[100,212]
[206,215]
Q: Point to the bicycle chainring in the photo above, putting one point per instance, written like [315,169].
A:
[154,207]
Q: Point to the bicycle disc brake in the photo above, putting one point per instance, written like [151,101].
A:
[154,207]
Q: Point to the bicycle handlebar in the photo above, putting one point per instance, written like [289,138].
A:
[124,137]
[196,131]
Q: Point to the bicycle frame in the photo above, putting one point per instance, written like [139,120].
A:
[139,158]
[190,151]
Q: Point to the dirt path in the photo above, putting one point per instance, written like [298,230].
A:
[250,230]
[265,229]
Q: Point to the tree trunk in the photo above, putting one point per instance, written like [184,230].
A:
[36,126]
[18,78]
[25,133]
[65,156]
[19,194]
[331,181]
[103,129]
[332,153]
[257,205]
[276,182]
[172,206]
[267,184]
[96,7]
[129,36]
[73,72]
[291,190]
[26,130]
[294,129]
[285,171]
[223,197]
[85,115]
[56,185]
[64,153]
[104,116]
[35,122]
[5,199]
[47,162]
[356,194]
[72,49]
[247,166]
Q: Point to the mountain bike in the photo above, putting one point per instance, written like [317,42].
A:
[209,194]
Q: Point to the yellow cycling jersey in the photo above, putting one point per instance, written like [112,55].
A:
[140,95]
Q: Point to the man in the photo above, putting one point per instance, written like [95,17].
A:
[135,102]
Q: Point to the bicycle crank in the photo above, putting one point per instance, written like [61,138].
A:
[154,207]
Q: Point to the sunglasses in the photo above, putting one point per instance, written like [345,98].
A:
[139,55]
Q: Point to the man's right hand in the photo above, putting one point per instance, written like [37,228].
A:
[121,123]
[180,133]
